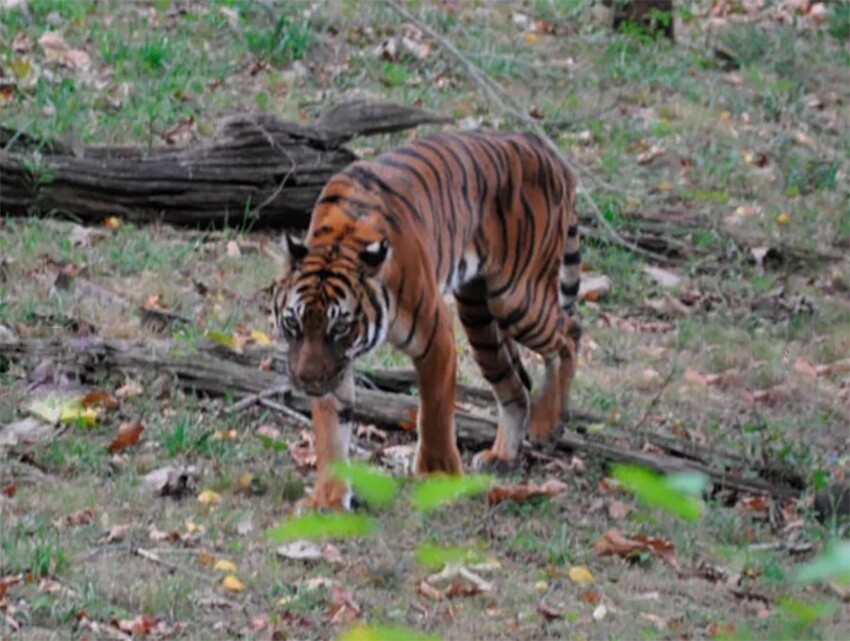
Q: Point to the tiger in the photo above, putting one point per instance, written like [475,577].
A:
[488,218]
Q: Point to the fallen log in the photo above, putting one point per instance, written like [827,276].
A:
[258,171]
[209,368]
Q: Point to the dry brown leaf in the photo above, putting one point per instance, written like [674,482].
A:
[55,48]
[128,435]
[662,276]
[303,451]
[181,134]
[141,625]
[548,612]
[618,510]
[159,536]
[21,43]
[667,305]
[591,597]
[427,590]
[593,286]
[694,377]
[805,368]
[409,426]
[520,493]
[372,433]
[10,490]
[656,151]
[99,398]
[760,504]
[81,517]
[128,390]
[115,534]
[459,588]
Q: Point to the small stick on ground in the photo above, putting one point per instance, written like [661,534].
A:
[257,398]
[171,567]
[664,385]
[283,409]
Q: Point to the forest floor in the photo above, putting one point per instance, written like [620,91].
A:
[728,150]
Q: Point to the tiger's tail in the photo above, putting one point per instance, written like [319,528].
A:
[569,274]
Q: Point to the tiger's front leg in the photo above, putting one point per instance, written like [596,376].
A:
[436,366]
[332,426]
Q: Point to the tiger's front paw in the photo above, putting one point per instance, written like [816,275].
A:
[446,462]
[489,462]
[333,496]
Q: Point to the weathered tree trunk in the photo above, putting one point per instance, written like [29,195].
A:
[258,171]
[212,369]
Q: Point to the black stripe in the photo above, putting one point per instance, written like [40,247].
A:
[413,322]
[570,289]
[430,342]
[572,232]
[485,346]
[572,258]
[346,415]
[473,321]
[494,378]
[513,318]
[366,177]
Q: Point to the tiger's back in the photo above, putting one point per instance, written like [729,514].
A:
[489,218]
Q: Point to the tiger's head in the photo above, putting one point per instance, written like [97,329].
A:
[330,306]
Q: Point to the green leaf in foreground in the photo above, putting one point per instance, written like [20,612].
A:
[435,556]
[665,493]
[317,527]
[369,483]
[805,613]
[384,633]
[832,565]
[437,490]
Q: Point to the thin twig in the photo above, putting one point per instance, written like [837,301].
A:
[283,409]
[664,384]
[172,567]
[507,105]
[256,398]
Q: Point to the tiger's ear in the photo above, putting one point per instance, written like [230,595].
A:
[374,255]
[294,250]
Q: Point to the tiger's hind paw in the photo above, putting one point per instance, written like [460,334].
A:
[488,462]
[545,439]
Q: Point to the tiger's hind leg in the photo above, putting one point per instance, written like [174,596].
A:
[553,334]
[499,362]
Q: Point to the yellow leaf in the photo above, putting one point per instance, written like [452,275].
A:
[232,584]
[531,37]
[260,338]
[77,414]
[541,586]
[225,340]
[580,574]
[245,481]
[21,67]
[747,156]
[208,497]
[205,558]
[192,528]
[783,218]
[112,222]
[223,565]
[224,435]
